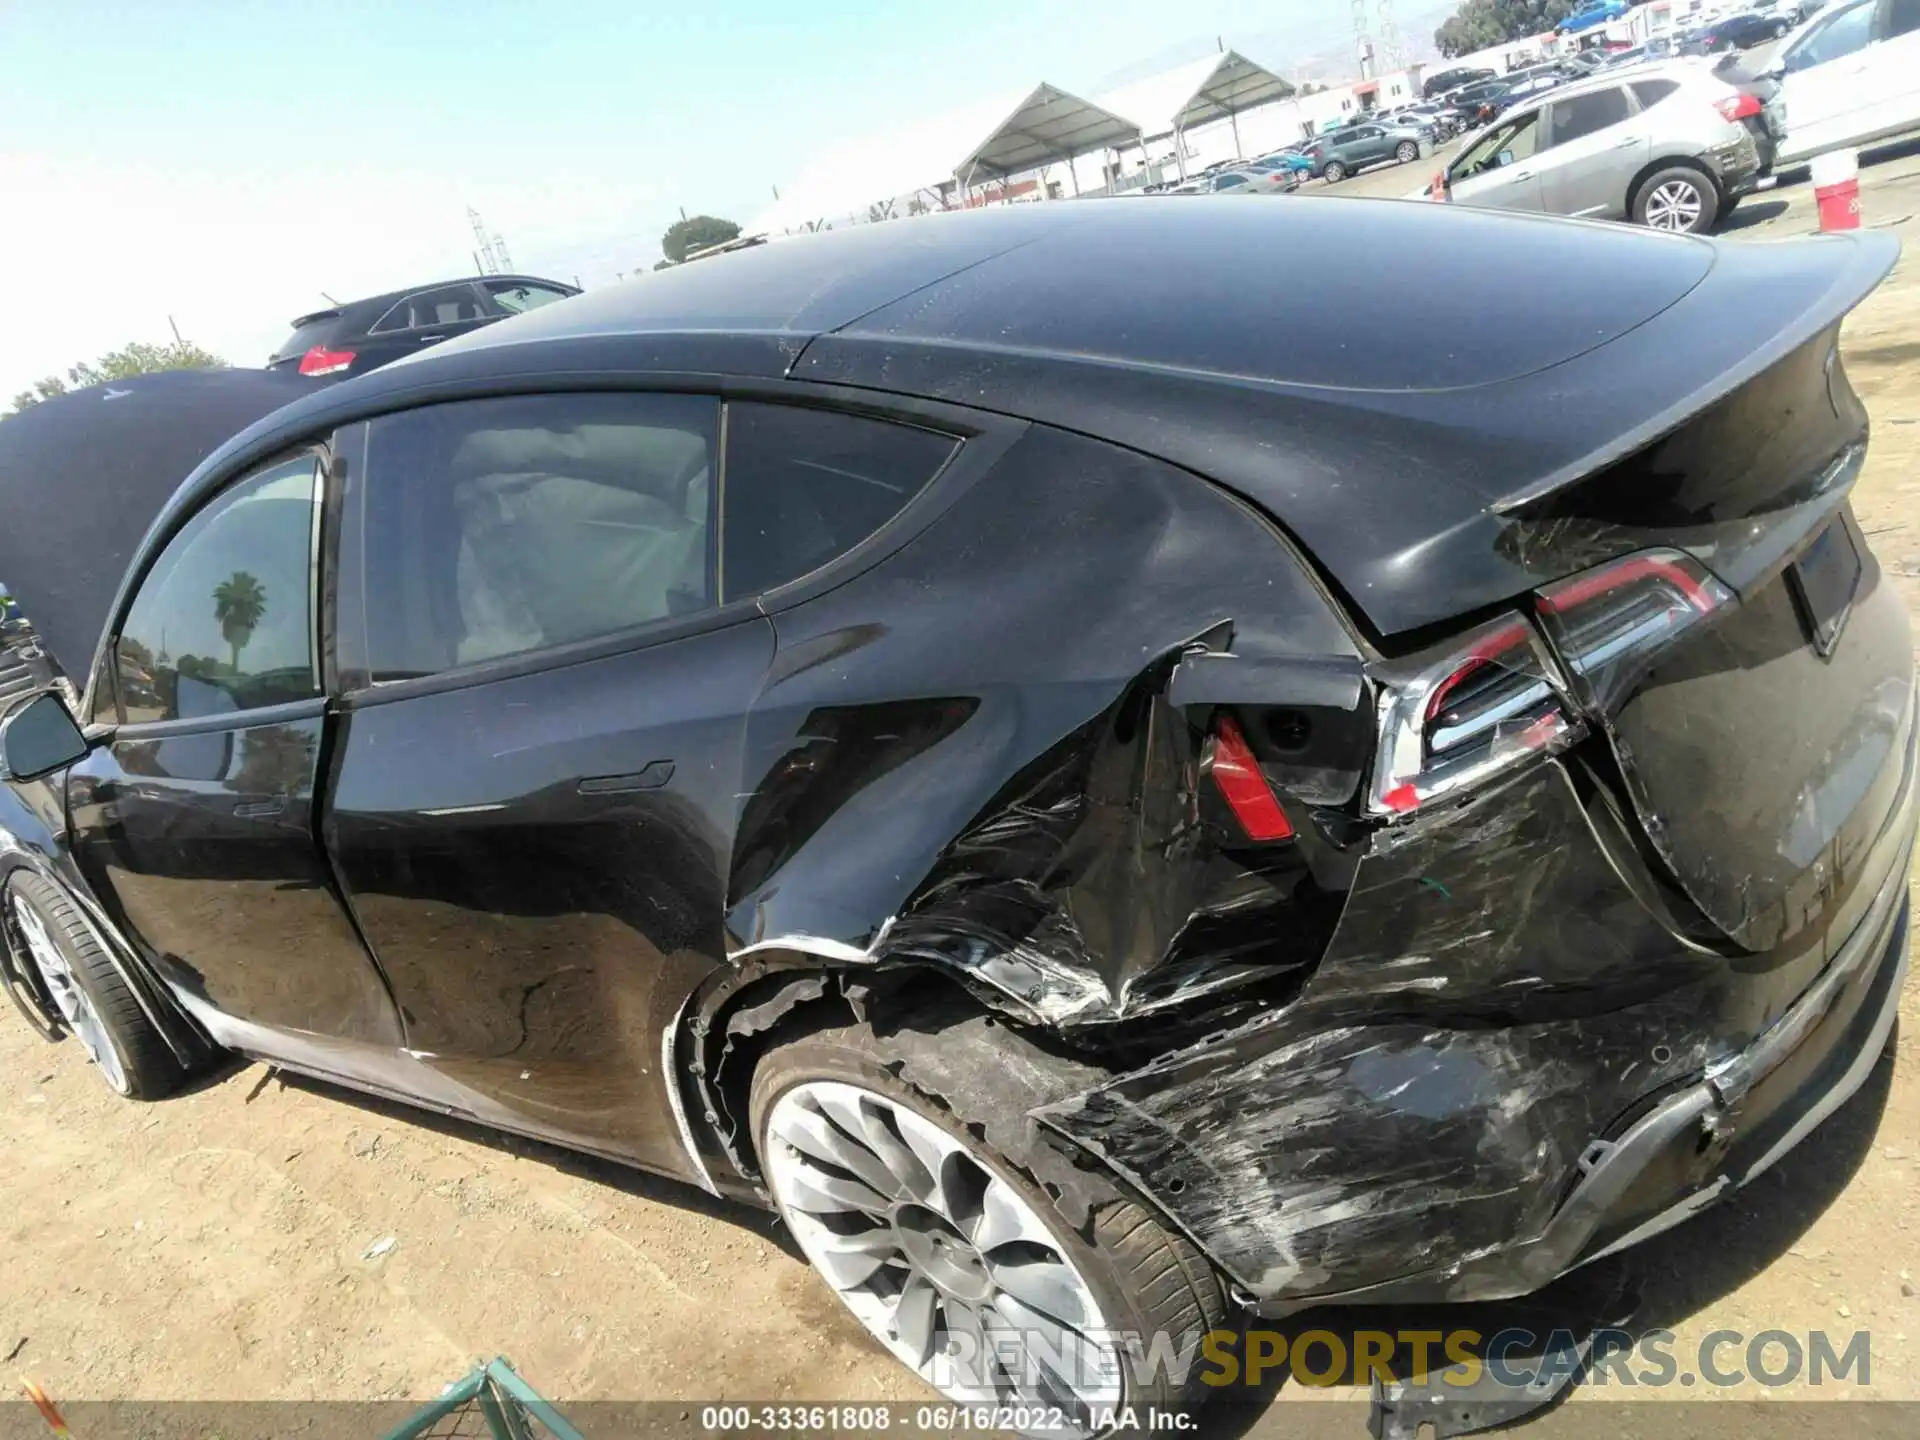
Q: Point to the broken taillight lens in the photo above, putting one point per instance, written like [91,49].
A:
[1245,789]
[1452,720]
[1457,716]
[1608,624]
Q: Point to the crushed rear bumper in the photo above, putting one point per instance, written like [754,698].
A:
[1372,1154]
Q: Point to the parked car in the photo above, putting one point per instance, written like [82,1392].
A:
[1516,92]
[1849,78]
[362,335]
[1737,32]
[1249,181]
[1079,868]
[1599,13]
[1336,156]
[1453,79]
[1291,161]
[1659,145]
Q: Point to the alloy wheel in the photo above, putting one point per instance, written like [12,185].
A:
[937,1254]
[1675,205]
[74,1005]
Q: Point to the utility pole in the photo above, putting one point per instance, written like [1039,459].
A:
[490,255]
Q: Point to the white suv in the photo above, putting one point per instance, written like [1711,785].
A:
[1849,77]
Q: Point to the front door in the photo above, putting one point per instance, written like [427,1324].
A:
[1498,170]
[1591,154]
[196,822]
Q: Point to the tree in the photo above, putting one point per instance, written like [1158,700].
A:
[139,358]
[695,233]
[238,604]
[1479,24]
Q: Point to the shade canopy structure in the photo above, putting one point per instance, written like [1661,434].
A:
[1214,87]
[1049,126]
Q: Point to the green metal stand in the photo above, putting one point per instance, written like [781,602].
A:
[491,1402]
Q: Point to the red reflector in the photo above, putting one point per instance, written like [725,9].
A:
[1238,775]
[322,361]
[1401,799]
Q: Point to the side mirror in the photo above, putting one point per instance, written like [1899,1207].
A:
[39,736]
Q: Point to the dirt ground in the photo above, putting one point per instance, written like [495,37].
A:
[268,1239]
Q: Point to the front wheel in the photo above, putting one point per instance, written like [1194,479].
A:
[1408,152]
[93,1002]
[1335,172]
[1676,199]
[944,1245]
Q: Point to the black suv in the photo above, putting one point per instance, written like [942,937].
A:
[1453,79]
[366,334]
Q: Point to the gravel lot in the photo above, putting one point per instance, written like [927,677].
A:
[232,1244]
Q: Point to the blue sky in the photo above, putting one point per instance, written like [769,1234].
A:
[225,162]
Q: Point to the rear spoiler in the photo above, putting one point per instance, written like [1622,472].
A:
[316,316]
[1742,297]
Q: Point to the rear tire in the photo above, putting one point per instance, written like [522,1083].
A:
[1408,152]
[92,1000]
[946,1178]
[1678,199]
[1335,172]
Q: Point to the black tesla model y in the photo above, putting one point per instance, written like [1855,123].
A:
[1104,783]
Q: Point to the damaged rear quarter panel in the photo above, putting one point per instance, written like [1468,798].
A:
[967,756]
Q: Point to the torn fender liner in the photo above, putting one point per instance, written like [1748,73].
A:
[1525,1078]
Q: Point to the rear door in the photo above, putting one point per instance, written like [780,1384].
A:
[1593,146]
[548,655]
[424,318]
[196,821]
[1498,169]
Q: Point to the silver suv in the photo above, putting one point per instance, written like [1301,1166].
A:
[1657,144]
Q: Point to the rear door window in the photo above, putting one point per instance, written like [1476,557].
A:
[515,296]
[486,528]
[1581,115]
[803,487]
[450,305]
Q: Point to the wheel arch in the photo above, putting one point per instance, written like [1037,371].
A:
[189,1045]
[770,994]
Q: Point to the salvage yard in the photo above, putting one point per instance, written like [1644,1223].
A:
[264,1238]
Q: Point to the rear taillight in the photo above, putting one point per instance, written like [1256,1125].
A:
[1237,773]
[1455,717]
[1608,624]
[1737,107]
[1452,720]
[322,361]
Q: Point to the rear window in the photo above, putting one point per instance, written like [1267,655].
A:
[1652,92]
[307,334]
[803,487]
